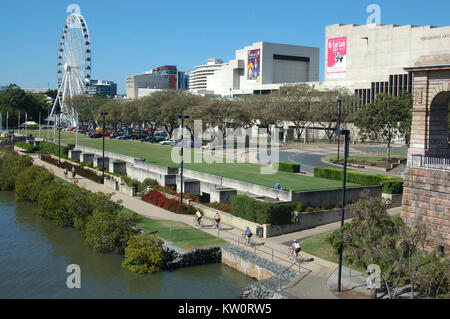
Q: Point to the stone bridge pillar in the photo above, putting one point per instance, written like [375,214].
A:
[426,194]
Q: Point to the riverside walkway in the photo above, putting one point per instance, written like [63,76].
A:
[315,272]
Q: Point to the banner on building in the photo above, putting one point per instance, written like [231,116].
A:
[254,65]
[337,58]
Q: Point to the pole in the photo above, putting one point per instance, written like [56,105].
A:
[48,121]
[103,138]
[39,124]
[59,139]
[182,142]
[339,127]
[344,179]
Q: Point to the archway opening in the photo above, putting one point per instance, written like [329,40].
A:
[439,126]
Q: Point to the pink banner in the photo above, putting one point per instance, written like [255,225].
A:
[337,58]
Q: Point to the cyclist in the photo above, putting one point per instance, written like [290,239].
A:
[217,219]
[296,247]
[248,233]
[199,217]
[66,171]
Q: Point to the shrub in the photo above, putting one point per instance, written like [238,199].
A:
[261,212]
[53,203]
[298,206]
[31,182]
[221,206]
[27,147]
[144,254]
[11,165]
[109,232]
[325,206]
[53,148]
[289,167]
[393,186]
[395,183]
[159,199]
[153,183]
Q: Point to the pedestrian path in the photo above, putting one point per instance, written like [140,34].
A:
[275,249]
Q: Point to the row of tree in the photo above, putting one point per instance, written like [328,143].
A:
[299,104]
[15,102]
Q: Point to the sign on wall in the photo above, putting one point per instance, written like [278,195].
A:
[337,58]
[254,65]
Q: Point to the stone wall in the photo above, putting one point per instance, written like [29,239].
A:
[271,277]
[177,259]
[426,199]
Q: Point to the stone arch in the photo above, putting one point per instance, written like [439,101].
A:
[438,125]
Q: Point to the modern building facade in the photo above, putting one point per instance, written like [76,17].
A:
[370,59]
[161,78]
[257,69]
[108,88]
[198,79]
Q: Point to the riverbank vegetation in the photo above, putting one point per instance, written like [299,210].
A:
[102,224]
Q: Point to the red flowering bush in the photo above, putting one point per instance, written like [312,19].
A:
[159,199]
[171,191]
[221,206]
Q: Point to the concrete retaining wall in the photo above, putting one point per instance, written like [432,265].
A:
[306,221]
[176,259]
[334,196]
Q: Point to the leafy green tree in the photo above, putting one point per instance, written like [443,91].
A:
[325,111]
[31,182]
[144,254]
[86,106]
[11,165]
[387,116]
[53,204]
[109,232]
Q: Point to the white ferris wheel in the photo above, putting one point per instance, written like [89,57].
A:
[73,65]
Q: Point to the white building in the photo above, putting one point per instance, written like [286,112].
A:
[370,59]
[259,68]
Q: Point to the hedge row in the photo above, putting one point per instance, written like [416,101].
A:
[391,185]
[27,147]
[261,212]
[289,167]
[80,170]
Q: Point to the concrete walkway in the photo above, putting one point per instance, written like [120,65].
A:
[315,271]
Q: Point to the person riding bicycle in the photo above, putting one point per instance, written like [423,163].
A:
[248,233]
[66,171]
[296,247]
[74,173]
[199,217]
[217,219]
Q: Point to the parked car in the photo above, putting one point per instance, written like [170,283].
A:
[170,142]
[95,135]
[160,133]
[149,139]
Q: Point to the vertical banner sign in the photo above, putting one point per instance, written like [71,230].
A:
[1,121]
[254,65]
[337,58]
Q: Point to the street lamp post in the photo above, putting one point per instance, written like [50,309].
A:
[182,117]
[103,138]
[59,138]
[346,134]
[339,127]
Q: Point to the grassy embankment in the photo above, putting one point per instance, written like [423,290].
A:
[161,155]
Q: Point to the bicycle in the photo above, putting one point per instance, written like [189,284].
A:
[292,256]
[244,239]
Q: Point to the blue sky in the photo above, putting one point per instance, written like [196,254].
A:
[133,36]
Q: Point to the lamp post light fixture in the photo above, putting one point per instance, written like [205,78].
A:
[346,134]
[182,117]
[103,144]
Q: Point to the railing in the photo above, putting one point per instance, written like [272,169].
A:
[431,163]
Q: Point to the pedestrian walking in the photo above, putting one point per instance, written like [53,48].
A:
[74,173]
[66,172]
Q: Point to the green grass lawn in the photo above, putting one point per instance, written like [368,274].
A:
[161,155]
[183,236]
[369,159]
